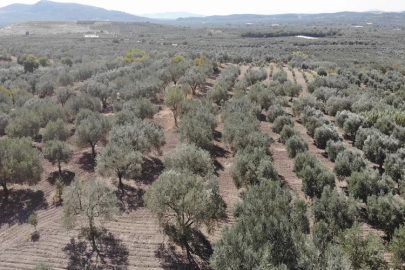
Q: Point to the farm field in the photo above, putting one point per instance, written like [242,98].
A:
[166,147]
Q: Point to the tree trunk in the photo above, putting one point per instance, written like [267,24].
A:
[93,150]
[175,120]
[60,169]
[120,184]
[6,192]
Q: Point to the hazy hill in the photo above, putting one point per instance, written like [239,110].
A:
[171,15]
[53,11]
[392,18]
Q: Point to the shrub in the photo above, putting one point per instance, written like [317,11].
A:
[238,128]
[335,104]
[57,130]
[349,161]
[394,164]
[333,148]
[296,145]
[83,102]
[24,123]
[4,120]
[325,133]
[336,210]
[399,134]
[366,183]
[386,211]
[141,108]
[362,134]
[6,104]
[385,125]
[397,247]
[280,122]
[245,168]
[377,147]
[273,112]
[288,132]
[188,157]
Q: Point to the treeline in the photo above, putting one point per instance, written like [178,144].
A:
[311,33]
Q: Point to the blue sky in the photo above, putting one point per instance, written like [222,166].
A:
[218,7]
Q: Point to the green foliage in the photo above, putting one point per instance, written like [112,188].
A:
[6,104]
[262,95]
[251,166]
[43,61]
[385,125]
[90,202]
[242,106]
[91,130]
[336,210]
[119,161]
[273,112]
[288,132]
[397,247]
[57,152]
[197,127]
[140,108]
[64,94]
[335,104]
[57,130]
[265,235]
[363,251]
[83,101]
[20,163]
[183,203]
[313,174]
[334,148]
[24,123]
[295,145]
[325,133]
[376,148]
[4,120]
[30,63]
[349,161]
[362,135]
[394,165]
[218,94]
[368,182]
[188,157]
[99,90]
[173,98]
[301,103]
[386,212]
[280,122]
[237,128]
[33,220]
[140,136]
[43,266]
[67,61]
[293,90]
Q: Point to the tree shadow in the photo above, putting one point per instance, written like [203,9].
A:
[22,203]
[87,162]
[67,177]
[35,236]
[171,259]
[151,169]
[217,135]
[217,151]
[132,198]
[112,250]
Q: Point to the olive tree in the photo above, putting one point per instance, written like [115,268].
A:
[64,94]
[173,98]
[280,122]
[349,161]
[288,132]
[141,108]
[386,211]
[24,123]
[57,130]
[333,149]
[377,147]
[91,130]
[90,202]
[338,211]
[140,136]
[189,157]
[197,127]
[57,152]
[183,203]
[4,120]
[296,144]
[20,163]
[273,112]
[363,250]
[325,133]
[397,247]
[120,161]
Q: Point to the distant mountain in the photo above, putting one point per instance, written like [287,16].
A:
[392,18]
[171,15]
[53,11]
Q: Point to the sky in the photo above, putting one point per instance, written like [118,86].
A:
[225,7]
